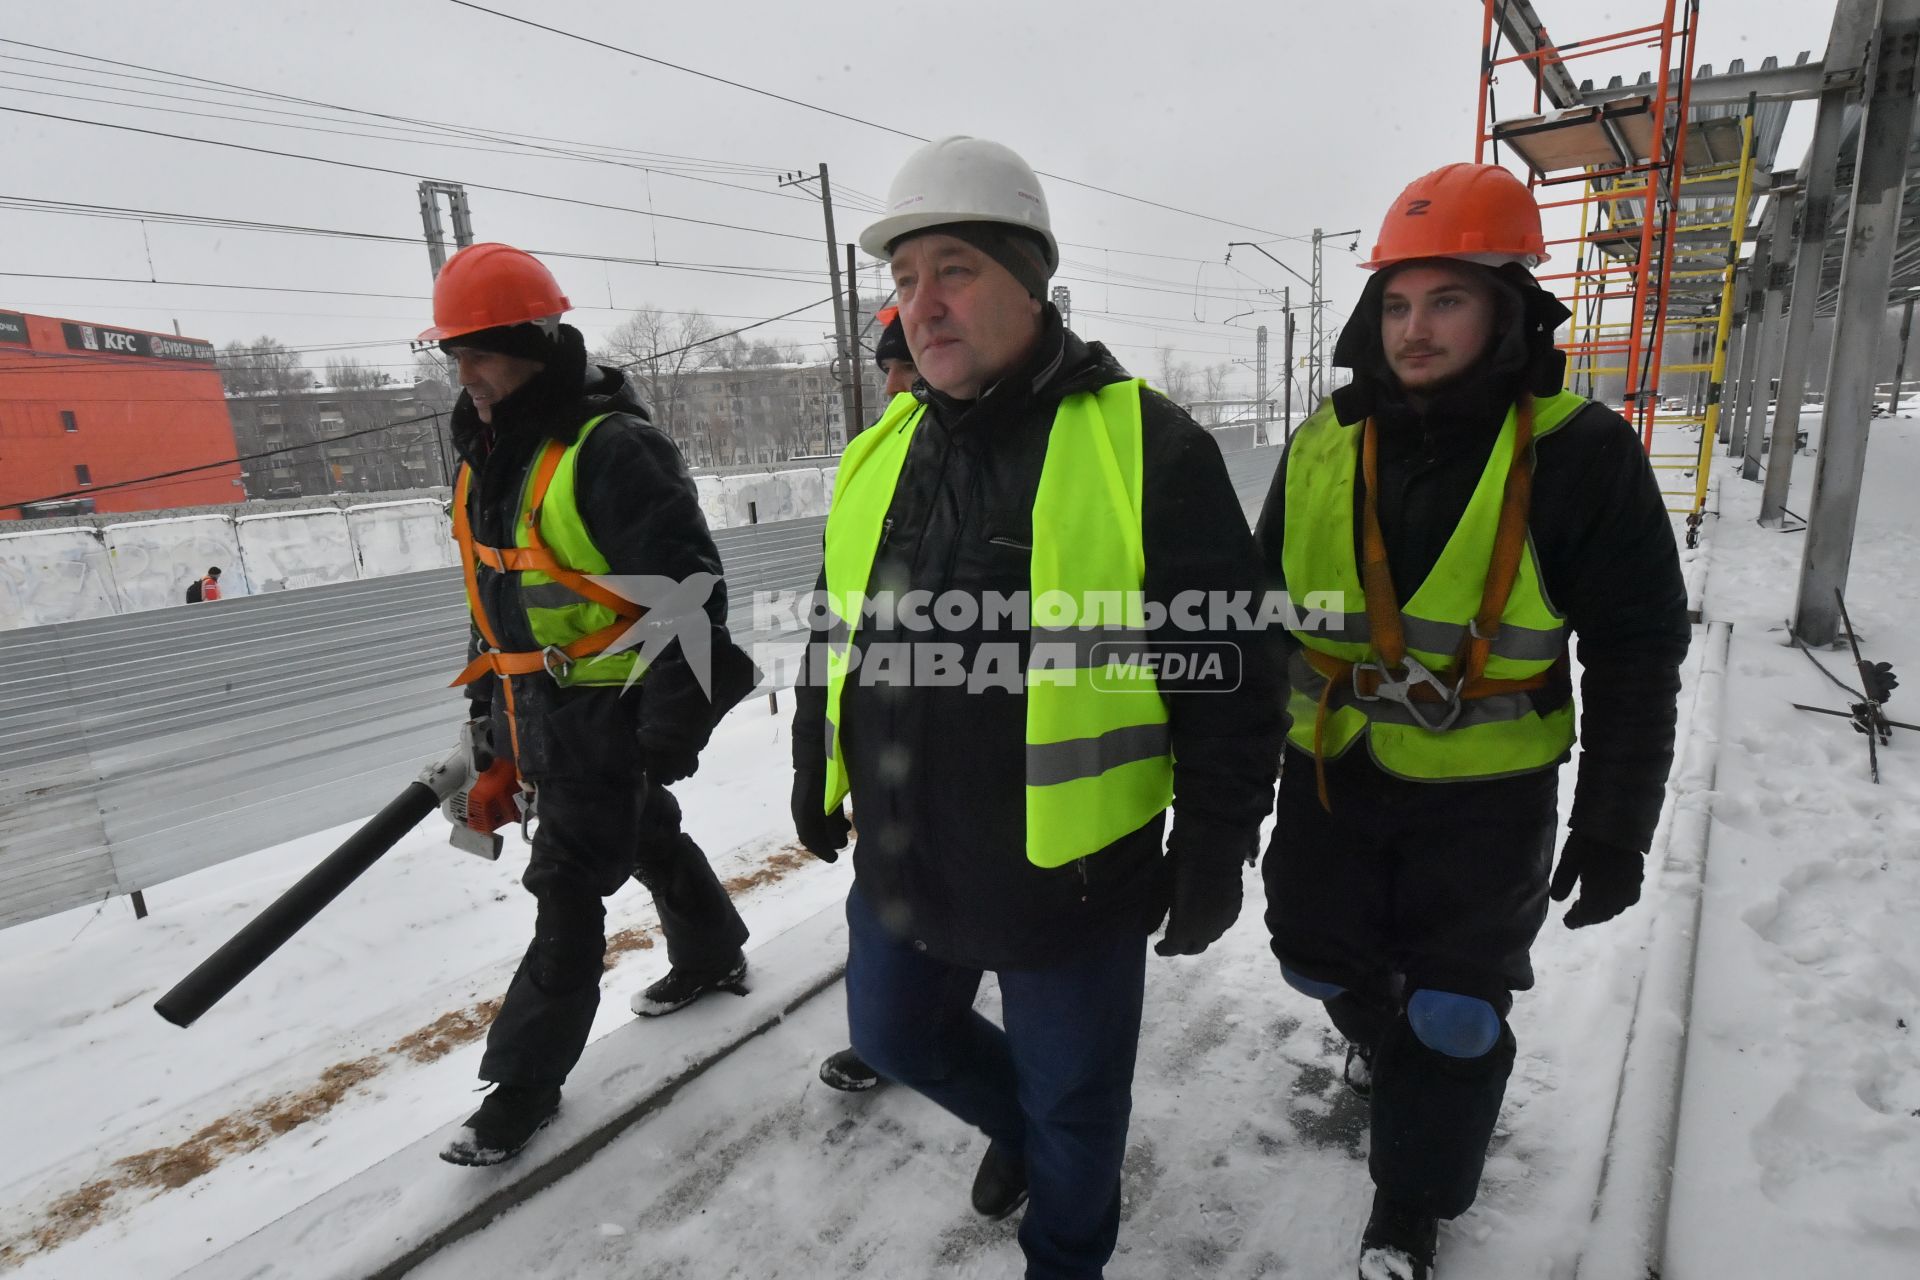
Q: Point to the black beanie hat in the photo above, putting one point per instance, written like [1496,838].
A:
[529,341]
[892,344]
[1020,251]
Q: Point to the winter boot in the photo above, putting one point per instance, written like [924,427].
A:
[1000,1186]
[847,1072]
[506,1121]
[681,987]
[1358,1073]
[1398,1243]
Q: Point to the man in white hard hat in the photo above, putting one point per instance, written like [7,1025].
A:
[1012,791]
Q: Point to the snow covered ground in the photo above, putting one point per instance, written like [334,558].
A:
[137,1149]
[1799,1144]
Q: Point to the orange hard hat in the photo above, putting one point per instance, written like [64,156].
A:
[1479,212]
[485,286]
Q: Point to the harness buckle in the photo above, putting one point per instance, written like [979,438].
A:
[556,661]
[1413,674]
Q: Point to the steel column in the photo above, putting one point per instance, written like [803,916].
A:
[1866,270]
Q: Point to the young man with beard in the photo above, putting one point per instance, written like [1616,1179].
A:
[1012,820]
[1471,514]
[563,478]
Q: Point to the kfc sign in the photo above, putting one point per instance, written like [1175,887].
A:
[122,342]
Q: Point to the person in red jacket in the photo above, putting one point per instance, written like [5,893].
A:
[204,589]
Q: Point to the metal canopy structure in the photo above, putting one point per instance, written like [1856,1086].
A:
[1906,260]
[1838,236]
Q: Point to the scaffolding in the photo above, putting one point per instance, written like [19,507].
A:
[1662,200]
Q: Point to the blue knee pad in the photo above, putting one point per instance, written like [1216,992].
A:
[1309,986]
[1456,1025]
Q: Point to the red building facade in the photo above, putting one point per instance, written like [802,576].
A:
[86,408]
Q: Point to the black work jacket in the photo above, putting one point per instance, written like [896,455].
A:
[1601,534]
[938,774]
[639,505]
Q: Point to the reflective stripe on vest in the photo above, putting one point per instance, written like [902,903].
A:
[1491,736]
[557,615]
[1098,760]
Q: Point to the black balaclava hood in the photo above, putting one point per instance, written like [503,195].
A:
[1521,358]
[892,344]
[545,401]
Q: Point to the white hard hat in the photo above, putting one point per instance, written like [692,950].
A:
[961,179]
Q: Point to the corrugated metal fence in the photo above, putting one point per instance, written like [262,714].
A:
[138,748]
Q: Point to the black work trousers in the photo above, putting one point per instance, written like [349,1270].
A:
[1404,886]
[590,836]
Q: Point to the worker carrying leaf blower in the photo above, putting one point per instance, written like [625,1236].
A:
[600,665]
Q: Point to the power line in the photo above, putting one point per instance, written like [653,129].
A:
[647,160]
[174,79]
[839,115]
[728,334]
[523,151]
[400,173]
[61,208]
[210,466]
[1119,280]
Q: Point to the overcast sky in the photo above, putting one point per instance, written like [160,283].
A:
[1273,115]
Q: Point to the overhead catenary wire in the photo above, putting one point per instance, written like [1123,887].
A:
[650,161]
[178,79]
[411,175]
[787,274]
[535,153]
[840,115]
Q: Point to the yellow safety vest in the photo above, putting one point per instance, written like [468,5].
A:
[1098,760]
[1476,737]
[570,618]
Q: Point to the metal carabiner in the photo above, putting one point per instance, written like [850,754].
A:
[556,661]
[1417,674]
[1354,679]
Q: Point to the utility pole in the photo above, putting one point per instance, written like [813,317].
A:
[462,217]
[1286,363]
[1316,324]
[1260,386]
[1063,303]
[857,360]
[840,326]
[1313,325]
[457,209]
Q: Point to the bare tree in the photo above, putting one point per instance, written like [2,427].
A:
[352,375]
[1176,379]
[431,366]
[263,366]
[1213,381]
[658,349]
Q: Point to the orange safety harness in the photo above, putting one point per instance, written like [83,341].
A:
[1398,676]
[554,659]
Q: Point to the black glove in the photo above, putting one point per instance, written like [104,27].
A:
[1207,860]
[823,835]
[668,765]
[1609,876]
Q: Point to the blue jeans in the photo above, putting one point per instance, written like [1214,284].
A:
[1056,1085]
